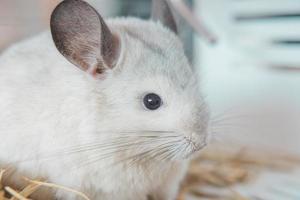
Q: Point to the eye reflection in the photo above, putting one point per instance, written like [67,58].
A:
[152,101]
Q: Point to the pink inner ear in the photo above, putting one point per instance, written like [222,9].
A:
[94,72]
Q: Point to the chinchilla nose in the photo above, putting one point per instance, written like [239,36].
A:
[197,140]
[197,134]
[194,125]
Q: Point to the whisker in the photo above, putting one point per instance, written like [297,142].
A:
[225,117]
[98,157]
[88,148]
[174,152]
[160,153]
[138,132]
[164,156]
[137,156]
[109,144]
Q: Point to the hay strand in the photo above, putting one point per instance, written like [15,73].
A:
[27,191]
[15,193]
[55,186]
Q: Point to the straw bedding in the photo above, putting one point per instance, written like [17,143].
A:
[215,168]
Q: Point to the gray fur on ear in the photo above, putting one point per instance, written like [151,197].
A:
[161,11]
[82,36]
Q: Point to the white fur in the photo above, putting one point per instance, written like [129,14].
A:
[48,106]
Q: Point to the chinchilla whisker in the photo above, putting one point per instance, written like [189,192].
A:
[185,148]
[138,133]
[179,150]
[154,148]
[100,157]
[156,134]
[109,146]
[222,118]
[138,158]
[123,146]
[148,131]
[171,154]
[144,156]
[131,144]
[85,148]
[174,154]
[115,142]
[102,146]
[157,152]
[174,145]
[51,156]
[228,127]
[172,150]
[230,118]
[150,136]
[164,155]
[226,122]
[135,143]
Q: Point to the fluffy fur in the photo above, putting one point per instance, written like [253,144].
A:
[93,134]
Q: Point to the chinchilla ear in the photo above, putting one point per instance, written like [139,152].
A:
[161,11]
[81,35]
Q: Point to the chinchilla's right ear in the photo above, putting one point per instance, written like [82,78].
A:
[161,11]
[82,36]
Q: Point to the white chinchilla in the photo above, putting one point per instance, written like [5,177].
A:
[110,108]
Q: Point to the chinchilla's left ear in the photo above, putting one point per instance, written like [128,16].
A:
[82,36]
[161,11]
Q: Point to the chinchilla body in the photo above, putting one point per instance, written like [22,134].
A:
[111,109]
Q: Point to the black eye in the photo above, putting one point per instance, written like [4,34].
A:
[152,101]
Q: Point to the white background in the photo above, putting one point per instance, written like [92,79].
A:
[236,74]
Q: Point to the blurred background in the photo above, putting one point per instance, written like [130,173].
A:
[250,77]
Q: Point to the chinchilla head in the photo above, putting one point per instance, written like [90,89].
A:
[149,100]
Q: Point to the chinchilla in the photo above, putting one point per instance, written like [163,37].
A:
[111,108]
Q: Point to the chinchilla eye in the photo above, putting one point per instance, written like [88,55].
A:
[152,101]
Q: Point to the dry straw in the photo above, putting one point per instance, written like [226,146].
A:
[7,193]
[221,169]
[215,168]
